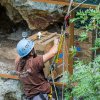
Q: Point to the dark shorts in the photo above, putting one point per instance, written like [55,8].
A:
[40,97]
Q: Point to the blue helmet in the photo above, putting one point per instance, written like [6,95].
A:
[24,47]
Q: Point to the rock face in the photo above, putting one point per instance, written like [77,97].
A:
[37,15]
[9,89]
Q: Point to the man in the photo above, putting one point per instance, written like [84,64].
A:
[29,67]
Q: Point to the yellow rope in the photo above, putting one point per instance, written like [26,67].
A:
[50,94]
[59,47]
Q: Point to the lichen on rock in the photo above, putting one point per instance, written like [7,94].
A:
[10,89]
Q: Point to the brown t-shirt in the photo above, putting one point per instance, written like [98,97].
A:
[32,77]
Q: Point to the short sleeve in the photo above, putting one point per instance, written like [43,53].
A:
[38,63]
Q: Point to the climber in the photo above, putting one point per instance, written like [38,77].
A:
[29,67]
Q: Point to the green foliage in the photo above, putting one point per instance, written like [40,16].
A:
[73,51]
[88,78]
[83,36]
[97,42]
[87,75]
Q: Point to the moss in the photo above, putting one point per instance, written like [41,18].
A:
[10,96]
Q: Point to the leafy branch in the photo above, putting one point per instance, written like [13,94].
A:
[87,75]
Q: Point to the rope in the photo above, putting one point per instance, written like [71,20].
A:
[67,15]
[62,37]
[54,84]
[63,66]
[63,32]
[59,47]
[71,1]
[55,60]
[77,6]
[69,11]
